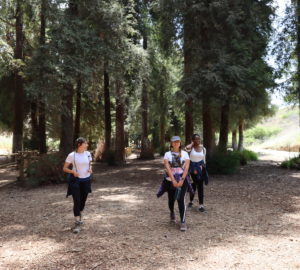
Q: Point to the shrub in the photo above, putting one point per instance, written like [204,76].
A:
[293,163]
[47,169]
[223,163]
[246,155]
[260,133]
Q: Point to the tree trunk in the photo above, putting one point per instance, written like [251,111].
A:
[224,128]
[208,132]
[41,103]
[78,110]
[66,139]
[34,125]
[107,115]
[18,84]
[234,140]
[120,135]
[146,151]
[187,53]
[298,56]
[241,135]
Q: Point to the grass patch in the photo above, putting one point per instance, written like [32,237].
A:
[260,133]
[293,163]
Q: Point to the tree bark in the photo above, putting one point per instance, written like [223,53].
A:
[78,110]
[224,127]
[41,103]
[66,139]
[234,140]
[107,114]
[18,84]
[146,151]
[34,125]
[187,53]
[241,135]
[208,132]
[120,134]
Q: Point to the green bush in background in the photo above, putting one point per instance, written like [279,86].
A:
[293,163]
[47,169]
[223,163]
[260,133]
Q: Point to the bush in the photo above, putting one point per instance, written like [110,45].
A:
[223,163]
[47,169]
[246,155]
[260,133]
[293,163]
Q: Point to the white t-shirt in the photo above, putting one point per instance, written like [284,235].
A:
[183,158]
[82,161]
[197,156]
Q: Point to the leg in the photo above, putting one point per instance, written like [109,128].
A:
[171,201]
[181,203]
[201,192]
[194,188]
[83,195]
[76,202]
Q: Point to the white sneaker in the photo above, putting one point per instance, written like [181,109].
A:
[77,227]
[183,227]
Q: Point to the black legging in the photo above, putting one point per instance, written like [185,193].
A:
[197,184]
[79,195]
[181,204]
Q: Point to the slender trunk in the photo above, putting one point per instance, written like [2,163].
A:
[78,110]
[234,140]
[187,53]
[107,115]
[66,139]
[224,128]
[34,125]
[298,57]
[41,103]
[162,130]
[241,135]
[208,132]
[18,84]
[120,135]
[146,151]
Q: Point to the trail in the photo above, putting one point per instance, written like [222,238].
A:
[252,222]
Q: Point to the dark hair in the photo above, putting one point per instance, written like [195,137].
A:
[79,141]
[195,135]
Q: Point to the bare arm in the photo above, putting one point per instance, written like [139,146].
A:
[169,172]
[189,147]
[67,170]
[185,172]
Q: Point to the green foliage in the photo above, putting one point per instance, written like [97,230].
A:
[47,169]
[245,156]
[223,163]
[260,133]
[293,163]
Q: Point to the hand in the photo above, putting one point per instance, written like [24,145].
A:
[175,184]
[180,183]
[195,172]
[76,174]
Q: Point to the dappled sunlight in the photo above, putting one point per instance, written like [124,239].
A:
[124,198]
[296,175]
[27,251]
[13,227]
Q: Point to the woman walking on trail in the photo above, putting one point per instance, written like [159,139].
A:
[79,179]
[177,163]
[197,156]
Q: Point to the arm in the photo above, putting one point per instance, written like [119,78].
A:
[67,170]
[189,147]
[169,172]
[185,172]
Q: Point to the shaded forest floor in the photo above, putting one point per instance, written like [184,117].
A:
[252,222]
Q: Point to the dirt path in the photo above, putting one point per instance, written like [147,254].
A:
[252,222]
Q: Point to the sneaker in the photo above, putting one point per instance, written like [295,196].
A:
[172,216]
[77,228]
[201,208]
[190,205]
[183,227]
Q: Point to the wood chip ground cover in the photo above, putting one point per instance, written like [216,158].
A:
[252,222]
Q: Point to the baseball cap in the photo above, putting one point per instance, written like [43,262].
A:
[175,138]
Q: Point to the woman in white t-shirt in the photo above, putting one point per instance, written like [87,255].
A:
[197,156]
[177,163]
[79,178]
